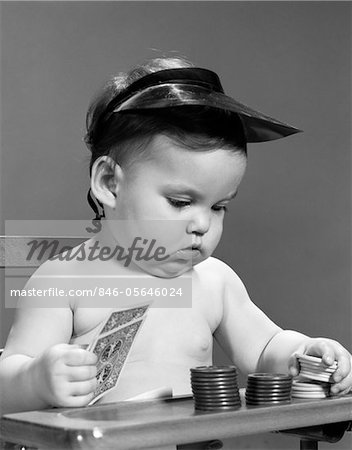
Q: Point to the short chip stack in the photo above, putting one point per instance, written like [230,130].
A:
[268,389]
[215,388]
[314,378]
[309,389]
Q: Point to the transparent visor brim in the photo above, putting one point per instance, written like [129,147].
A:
[258,126]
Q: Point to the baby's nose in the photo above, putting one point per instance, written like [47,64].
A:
[200,223]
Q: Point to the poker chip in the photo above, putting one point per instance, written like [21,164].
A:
[313,368]
[310,389]
[215,388]
[267,402]
[268,389]
[315,376]
[314,359]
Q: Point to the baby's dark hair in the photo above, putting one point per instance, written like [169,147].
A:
[124,135]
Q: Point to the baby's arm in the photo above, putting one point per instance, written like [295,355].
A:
[256,344]
[244,329]
[279,356]
[38,368]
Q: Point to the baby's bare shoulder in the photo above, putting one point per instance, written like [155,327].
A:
[70,261]
[214,271]
[52,280]
[213,283]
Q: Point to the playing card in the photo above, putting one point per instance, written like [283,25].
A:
[113,344]
[120,318]
[112,350]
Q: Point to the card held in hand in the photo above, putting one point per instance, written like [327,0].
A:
[113,345]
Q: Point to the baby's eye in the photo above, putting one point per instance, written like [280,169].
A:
[219,208]
[178,203]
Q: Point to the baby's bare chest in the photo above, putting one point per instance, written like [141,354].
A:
[172,334]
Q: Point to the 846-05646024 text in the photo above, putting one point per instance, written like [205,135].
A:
[110,291]
[99,292]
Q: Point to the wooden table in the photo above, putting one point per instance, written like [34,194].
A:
[137,425]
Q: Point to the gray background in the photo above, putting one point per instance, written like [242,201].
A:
[288,232]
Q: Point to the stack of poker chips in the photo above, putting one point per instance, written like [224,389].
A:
[313,368]
[215,388]
[314,378]
[268,389]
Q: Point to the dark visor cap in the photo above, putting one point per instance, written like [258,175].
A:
[196,87]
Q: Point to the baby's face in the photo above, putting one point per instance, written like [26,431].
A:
[187,188]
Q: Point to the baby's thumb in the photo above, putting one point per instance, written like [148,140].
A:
[293,363]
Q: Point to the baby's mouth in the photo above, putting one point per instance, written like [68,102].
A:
[188,253]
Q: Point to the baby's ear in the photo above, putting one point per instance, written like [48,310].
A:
[105,178]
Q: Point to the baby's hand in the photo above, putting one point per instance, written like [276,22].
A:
[330,351]
[64,375]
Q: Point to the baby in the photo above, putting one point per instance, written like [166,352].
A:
[167,145]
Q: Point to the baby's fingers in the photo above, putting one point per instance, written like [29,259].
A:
[81,373]
[343,374]
[83,387]
[77,401]
[322,349]
[79,357]
[344,387]
[293,365]
[343,366]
